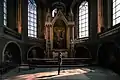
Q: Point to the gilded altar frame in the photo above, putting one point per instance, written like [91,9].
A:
[49,24]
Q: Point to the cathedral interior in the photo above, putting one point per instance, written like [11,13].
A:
[34,32]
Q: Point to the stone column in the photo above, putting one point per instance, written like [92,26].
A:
[43,15]
[39,21]
[11,12]
[72,32]
[18,15]
[47,41]
[24,24]
[72,42]
[46,34]
[76,29]
[109,11]
[48,37]
[100,16]
[24,15]
[68,38]
[92,17]
[51,36]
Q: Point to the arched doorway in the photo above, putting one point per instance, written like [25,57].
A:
[35,52]
[12,53]
[108,55]
[59,35]
[82,55]
[82,52]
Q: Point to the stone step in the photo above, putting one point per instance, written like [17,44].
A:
[5,67]
[66,61]
[45,66]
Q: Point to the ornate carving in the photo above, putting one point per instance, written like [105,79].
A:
[71,16]
[59,16]
[48,16]
[60,28]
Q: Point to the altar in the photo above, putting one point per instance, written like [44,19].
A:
[64,52]
[59,31]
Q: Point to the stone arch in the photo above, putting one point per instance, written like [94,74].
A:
[82,52]
[13,49]
[59,5]
[61,17]
[39,52]
[108,54]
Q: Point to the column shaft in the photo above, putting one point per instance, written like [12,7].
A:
[100,15]
[24,15]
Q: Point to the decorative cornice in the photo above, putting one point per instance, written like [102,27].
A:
[81,40]
[12,33]
[61,17]
[48,23]
[110,32]
[71,23]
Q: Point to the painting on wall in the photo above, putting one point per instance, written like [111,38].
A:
[59,39]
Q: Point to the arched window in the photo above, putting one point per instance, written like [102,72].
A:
[83,20]
[116,12]
[32,19]
[54,12]
[5,12]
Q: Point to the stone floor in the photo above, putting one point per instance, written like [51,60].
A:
[75,73]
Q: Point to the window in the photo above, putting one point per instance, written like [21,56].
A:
[116,12]
[83,20]
[54,12]
[5,12]
[32,19]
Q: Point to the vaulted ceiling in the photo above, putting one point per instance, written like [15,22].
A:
[66,2]
[48,3]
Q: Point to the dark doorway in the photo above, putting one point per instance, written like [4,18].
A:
[109,55]
[36,52]
[12,53]
[82,52]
